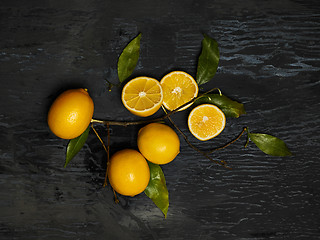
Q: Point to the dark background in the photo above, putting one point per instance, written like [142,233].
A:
[270,54]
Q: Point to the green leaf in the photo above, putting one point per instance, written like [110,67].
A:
[269,144]
[208,60]
[157,190]
[129,59]
[75,145]
[229,107]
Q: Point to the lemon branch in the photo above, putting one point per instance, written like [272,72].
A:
[206,154]
[221,163]
[106,149]
[229,143]
[167,115]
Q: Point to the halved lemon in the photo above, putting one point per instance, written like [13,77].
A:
[206,121]
[178,88]
[142,96]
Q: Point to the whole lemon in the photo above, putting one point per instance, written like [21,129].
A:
[158,143]
[71,113]
[128,172]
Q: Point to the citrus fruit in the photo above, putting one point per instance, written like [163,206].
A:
[142,96]
[71,113]
[158,143]
[178,88]
[206,121]
[128,172]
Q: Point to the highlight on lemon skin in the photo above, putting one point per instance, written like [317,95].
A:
[158,143]
[70,114]
[178,88]
[128,172]
[142,96]
[206,121]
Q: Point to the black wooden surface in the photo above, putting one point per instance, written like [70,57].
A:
[270,54]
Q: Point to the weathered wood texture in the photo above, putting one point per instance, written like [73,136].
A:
[270,61]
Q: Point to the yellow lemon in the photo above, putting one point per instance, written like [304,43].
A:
[158,143]
[128,172]
[71,113]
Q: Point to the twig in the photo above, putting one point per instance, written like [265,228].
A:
[221,163]
[229,143]
[108,156]
[95,131]
[116,200]
[106,149]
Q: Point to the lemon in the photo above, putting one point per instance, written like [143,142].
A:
[70,113]
[158,143]
[128,172]
[206,121]
[178,88]
[142,96]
